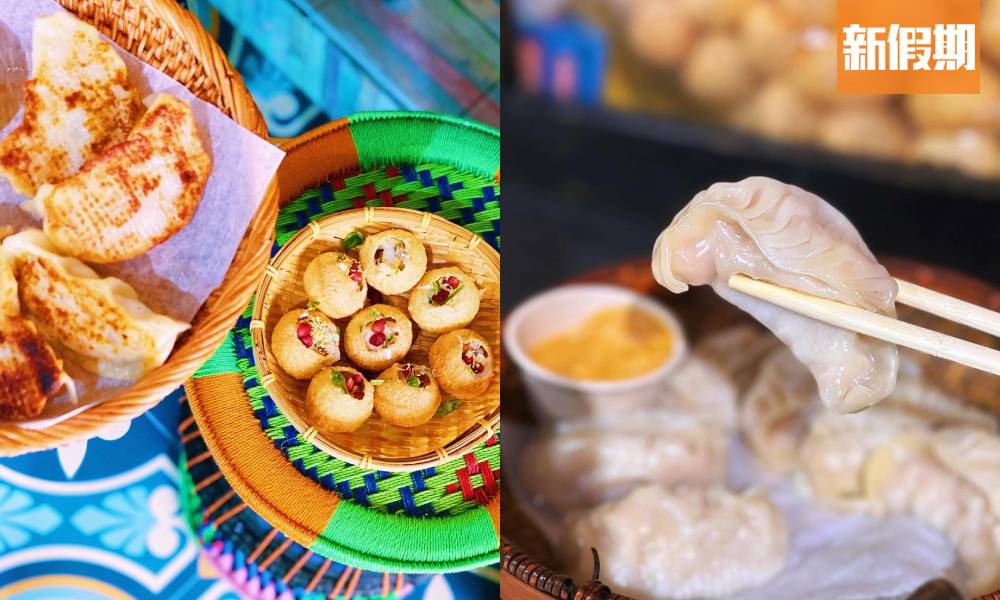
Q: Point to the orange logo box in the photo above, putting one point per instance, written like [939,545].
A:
[908,46]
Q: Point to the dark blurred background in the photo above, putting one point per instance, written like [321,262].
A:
[603,144]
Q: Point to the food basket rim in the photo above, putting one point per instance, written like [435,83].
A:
[185,51]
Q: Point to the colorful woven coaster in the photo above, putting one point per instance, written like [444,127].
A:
[258,559]
[433,520]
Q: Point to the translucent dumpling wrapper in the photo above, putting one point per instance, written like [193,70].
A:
[98,323]
[784,235]
[584,463]
[912,475]
[680,543]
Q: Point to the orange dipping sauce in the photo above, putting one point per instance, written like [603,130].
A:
[620,342]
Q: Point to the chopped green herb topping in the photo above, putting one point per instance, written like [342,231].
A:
[353,240]
[413,381]
[338,380]
[447,407]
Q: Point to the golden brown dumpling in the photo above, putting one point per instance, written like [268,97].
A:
[336,283]
[393,260]
[408,396]
[378,336]
[339,400]
[134,196]
[304,341]
[30,373]
[77,103]
[445,299]
[98,323]
[462,362]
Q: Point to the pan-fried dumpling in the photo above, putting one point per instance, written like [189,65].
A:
[77,103]
[97,323]
[909,476]
[584,463]
[136,195]
[30,373]
[782,234]
[681,543]
[9,305]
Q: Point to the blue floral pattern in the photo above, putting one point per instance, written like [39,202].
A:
[20,517]
[134,521]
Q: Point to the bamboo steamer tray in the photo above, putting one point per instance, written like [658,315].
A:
[378,444]
[171,39]
[529,568]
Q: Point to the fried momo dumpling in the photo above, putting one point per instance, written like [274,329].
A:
[30,373]
[77,103]
[681,543]
[136,195]
[9,304]
[784,235]
[98,323]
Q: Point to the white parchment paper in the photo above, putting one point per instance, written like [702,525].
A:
[176,277]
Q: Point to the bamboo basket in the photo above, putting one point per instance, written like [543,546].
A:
[529,567]
[171,39]
[378,444]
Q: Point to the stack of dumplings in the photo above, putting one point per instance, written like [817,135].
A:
[109,181]
[377,338]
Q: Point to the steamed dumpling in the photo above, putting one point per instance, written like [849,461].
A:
[699,542]
[98,323]
[587,462]
[785,235]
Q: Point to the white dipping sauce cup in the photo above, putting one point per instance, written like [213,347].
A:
[556,397]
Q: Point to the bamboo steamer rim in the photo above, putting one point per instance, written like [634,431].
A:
[171,39]
[420,224]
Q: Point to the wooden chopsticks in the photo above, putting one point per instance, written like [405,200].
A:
[889,329]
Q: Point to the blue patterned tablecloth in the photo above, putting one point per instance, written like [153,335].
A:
[101,519]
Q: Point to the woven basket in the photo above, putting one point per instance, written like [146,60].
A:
[171,39]
[529,567]
[378,444]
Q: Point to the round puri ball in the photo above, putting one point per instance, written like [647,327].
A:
[779,111]
[378,336]
[718,71]
[445,299]
[304,341]
[462,362]
[969,150]
[868,131]
[936,111]
[339,400]
[336,282]
[659,31]
[393,260]
[409,395]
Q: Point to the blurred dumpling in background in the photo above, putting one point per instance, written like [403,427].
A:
[581,464]
[782,234]
[864,131]
[98,323]
[78,103]
[702,542]
[969,150]
[660,31]
[717,72]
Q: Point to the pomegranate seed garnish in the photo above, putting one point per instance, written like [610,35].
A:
[467,357]
[349,382]
[358,394]
[377,339]
[355,275]
[424,380]
[303,329]
[407,370]
[378,325]
[440,297]
[307,341]
[477,368]
[453,281]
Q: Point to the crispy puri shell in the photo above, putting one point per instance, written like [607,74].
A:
[453,375]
